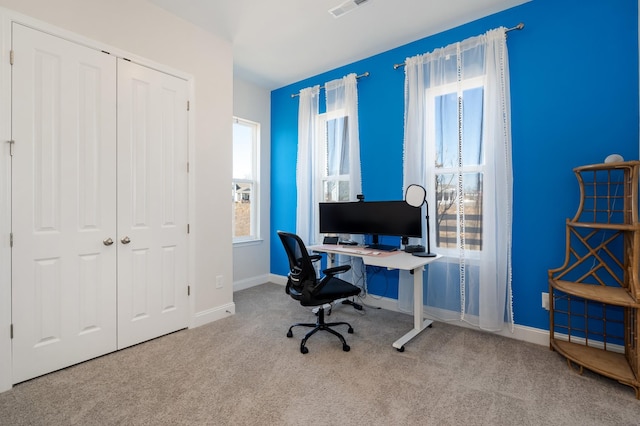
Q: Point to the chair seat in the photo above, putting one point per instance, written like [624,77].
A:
[334,289]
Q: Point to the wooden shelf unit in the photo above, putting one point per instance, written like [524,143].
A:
[595,295]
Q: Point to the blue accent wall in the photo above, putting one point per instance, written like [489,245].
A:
[574,100]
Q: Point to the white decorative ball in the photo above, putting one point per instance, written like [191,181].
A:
[614,158]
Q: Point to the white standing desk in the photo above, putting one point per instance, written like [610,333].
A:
[392,260]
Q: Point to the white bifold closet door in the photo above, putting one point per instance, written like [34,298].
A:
[152,204]
[63,203]
[100,154]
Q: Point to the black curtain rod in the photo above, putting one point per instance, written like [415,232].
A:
[517,27]
[366,74]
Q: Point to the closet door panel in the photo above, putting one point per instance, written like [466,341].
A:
[152,199]
[63,203]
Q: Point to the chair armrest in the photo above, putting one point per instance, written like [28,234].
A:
[315,257]
[336,270]
[328,275]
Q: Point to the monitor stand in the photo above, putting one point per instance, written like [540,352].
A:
[381,247]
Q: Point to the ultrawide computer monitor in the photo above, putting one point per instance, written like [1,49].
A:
[392,218]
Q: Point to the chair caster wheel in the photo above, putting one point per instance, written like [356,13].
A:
[346,348]
[350,330]
[304,350]
[289,334]
[401,349]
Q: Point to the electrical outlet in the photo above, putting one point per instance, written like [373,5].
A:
[219,281]
[545,300]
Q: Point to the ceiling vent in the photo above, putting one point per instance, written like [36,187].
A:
[346,7]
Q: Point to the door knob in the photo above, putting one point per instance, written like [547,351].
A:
[125,240]
[107,242]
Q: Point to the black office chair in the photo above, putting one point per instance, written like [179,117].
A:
[304,286]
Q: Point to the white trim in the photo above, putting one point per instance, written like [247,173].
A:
[246,243]
[250,282]
[278,279]
[592,343]
[6,380]
[191,241]
[214,314]
[255,227]
[520,332]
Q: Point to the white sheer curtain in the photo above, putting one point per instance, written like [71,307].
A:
[343,152]
[342,95]
[306,171]
[458,144]
[344,156]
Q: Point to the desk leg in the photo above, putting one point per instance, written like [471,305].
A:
[331,258]
[419,323]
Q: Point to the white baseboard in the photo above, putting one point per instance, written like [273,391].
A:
[6,384]
[592,343]
[520,332]
[277,279]
[210,315]
[250,282]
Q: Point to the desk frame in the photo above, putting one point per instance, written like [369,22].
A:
[396,260]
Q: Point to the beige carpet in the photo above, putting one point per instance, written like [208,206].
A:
[243,371]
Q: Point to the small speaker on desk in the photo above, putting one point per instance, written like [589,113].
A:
[414,248]
[331,240]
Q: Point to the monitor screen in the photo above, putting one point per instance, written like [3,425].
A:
[394,218]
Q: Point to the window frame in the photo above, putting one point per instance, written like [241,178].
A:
[254,184]
[435,170]
[322,148]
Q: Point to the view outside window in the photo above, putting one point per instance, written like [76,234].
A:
[457,193]
[245,180]
[335,159]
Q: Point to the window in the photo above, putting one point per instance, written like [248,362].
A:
[333,178]
[458,141]
[459,170]
[245,180]
[333,158]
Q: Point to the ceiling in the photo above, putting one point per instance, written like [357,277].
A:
[276,43]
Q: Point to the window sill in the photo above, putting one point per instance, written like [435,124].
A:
[448,256]
[246,243]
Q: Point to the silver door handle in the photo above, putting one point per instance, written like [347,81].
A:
[125,240]
[107,242]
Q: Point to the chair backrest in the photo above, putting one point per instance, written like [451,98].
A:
[301,270]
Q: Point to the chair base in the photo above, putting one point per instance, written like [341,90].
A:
[321,325]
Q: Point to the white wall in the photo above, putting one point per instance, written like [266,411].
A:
[251,260]
[149,32]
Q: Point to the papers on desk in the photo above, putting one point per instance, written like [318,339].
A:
[358,251]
